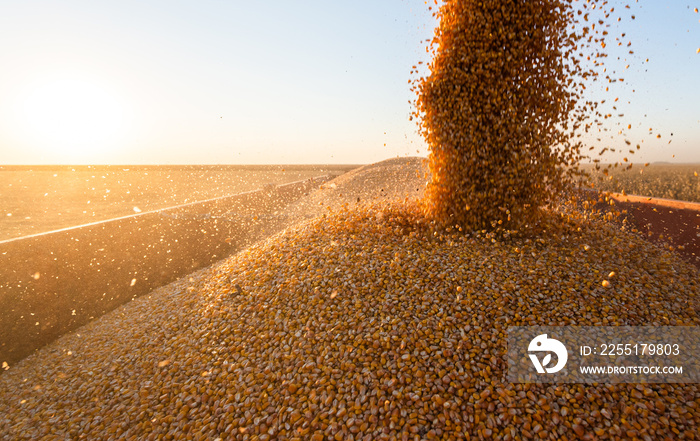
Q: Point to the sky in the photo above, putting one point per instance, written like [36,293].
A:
[661,94]
[275,82]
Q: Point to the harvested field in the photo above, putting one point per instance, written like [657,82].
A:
[365,323]
[667,181]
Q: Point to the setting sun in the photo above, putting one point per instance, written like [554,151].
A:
[72,118]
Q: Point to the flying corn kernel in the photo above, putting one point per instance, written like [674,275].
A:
[491,131]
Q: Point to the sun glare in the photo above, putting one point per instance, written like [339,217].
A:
[72,120]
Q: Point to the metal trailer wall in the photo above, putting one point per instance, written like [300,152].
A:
[55,282]
[663,221]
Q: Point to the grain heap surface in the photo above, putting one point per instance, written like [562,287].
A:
[364,324]
[393,179]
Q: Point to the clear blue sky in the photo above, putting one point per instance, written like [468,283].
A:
[176,82]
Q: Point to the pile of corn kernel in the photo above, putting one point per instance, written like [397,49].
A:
[400,178]
[365,324]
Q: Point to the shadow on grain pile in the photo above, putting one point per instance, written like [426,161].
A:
[364,323]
